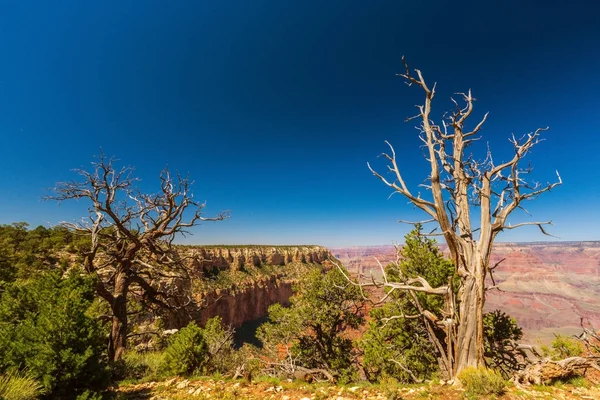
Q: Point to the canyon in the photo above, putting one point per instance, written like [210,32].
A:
[548,287]
[239,283]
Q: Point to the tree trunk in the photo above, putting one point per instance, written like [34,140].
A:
[469,346]
[118,334]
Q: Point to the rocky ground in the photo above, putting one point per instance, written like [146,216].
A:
[178,388]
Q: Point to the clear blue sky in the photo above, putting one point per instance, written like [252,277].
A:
[274,107]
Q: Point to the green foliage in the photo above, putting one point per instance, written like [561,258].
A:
[392,345]
[500,333]
[222,356]
[24,253]
[421,256]
[187,352]
[578,381]
[90,395]
[482,382]
[313,328]
[45,329]
[283,327]
[563,347]
[234,280]
[19,386]
[391,393]
[191,350]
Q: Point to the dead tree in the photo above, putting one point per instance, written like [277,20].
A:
[459,185]
[131,237]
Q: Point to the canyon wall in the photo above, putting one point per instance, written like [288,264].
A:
[239,283]
[248,304]
[548,287]
[233,258]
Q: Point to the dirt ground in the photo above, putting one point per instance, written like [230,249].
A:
[178,388]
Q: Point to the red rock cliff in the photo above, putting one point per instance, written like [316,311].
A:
[240,283]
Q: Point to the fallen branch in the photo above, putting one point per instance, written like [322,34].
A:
[547,371]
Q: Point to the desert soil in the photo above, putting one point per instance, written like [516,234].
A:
[178,388]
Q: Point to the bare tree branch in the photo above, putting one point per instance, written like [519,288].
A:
[131,235]
[459,184]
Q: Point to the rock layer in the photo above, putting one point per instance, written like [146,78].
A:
[248,304]
[547,286]
[238,258]
[257,277]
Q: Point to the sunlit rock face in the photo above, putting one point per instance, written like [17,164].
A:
[240,283]
[548,286]
[247,304]
[237,258]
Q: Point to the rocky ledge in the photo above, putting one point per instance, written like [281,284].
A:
[239,283]
[208,258]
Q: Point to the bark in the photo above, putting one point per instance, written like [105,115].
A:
[469,341]
[117,341]
[469,345]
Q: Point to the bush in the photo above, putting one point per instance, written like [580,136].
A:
[15,386]
[192,350]
[45,329]
[187,352]
[222,355]
[90,395]
[393,346]
[482,382]
[403,340]
[500,334]
[563,347]
[578,381]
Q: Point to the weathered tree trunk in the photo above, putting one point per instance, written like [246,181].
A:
[469,346]
[474,257]
[117,340]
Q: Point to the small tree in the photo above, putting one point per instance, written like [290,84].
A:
[312,331]
[187,351]
[397,347]
[404,339]
[459,185]
[564,347]
[219,340]
[131,237]
[501,334]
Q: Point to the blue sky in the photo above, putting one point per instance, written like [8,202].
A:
[275,107]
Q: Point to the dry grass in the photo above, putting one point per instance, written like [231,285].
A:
[19,386]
